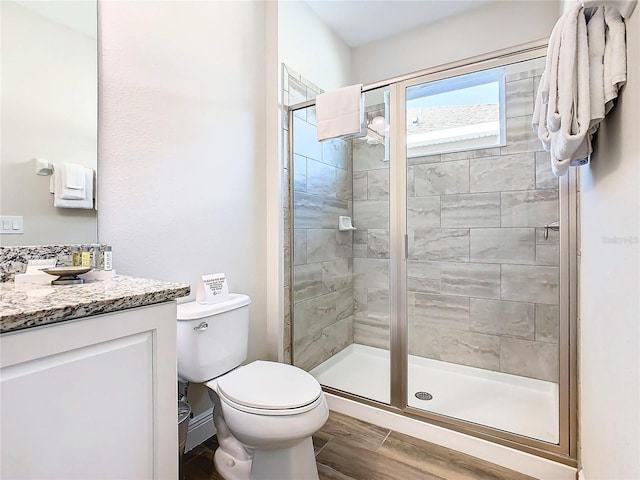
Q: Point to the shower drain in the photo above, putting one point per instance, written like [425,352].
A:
[423,396]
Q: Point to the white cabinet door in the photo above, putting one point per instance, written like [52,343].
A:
[91,399]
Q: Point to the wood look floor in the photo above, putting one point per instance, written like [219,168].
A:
[349,449]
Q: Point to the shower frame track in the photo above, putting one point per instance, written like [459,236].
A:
[566,450]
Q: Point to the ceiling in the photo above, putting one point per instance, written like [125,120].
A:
[359,22]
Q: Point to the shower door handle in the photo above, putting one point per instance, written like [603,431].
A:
[555,226]
[406,246]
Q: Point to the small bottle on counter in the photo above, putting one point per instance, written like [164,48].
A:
[76,256]
[86,256]
[96,256]
[107,256]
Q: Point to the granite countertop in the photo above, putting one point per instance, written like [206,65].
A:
[27,305]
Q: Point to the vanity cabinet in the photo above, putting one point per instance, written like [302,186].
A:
[91,398]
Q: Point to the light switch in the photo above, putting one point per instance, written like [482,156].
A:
[11,225]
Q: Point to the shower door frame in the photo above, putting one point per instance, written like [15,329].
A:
[566,450]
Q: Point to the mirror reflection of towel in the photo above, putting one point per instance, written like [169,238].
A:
[59,190]
[74,181]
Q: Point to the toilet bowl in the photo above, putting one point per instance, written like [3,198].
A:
[272,409]
[264,412]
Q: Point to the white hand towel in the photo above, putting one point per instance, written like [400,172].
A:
[73,178]
[86,203]
[340,113]
[553,59]
[615,56]
[595,37]
[541,104]
[573,87]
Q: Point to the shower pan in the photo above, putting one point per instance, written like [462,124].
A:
[453,298]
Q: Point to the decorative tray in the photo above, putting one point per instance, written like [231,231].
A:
[66,275]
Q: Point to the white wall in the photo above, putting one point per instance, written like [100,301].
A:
[491,27]
[609,334]
[49,110]
[311,48]
[182,144]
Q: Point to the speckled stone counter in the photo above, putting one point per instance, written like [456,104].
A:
[14,260]
[25,306]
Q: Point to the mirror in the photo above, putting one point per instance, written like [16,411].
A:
[49,111]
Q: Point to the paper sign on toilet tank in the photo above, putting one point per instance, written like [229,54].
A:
[212,288]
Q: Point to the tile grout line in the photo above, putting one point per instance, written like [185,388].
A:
[385,439]
[322,448]
[345,477]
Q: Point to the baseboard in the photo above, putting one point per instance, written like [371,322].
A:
[200,429]
[526,463]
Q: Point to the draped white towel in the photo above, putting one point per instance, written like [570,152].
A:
[340,113]
[544,101]
[615,56]
[552,116]
[574,110]
[595,37]
[585,68]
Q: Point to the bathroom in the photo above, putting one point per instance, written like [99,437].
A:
[190,165]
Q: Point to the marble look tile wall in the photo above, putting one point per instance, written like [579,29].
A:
[482,279]
[322,263]
[483,285]
[371,240]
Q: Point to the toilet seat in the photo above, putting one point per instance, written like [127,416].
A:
[271,411]
[269,388]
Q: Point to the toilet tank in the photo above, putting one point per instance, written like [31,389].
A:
[212,339]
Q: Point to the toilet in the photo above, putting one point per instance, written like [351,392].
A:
[264,412]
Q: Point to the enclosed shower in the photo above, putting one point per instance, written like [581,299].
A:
[451,298]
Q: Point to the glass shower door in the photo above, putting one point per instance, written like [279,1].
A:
[482,266]
[453,299]
[340,275]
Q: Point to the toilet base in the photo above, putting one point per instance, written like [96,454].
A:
[229,467]
[297,462]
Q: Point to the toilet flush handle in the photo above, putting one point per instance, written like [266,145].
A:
[201,327]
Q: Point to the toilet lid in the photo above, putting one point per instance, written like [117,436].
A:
[269,386]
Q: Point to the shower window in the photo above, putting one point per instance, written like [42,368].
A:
[463,113]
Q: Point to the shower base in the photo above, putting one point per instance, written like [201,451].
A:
[515,404]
